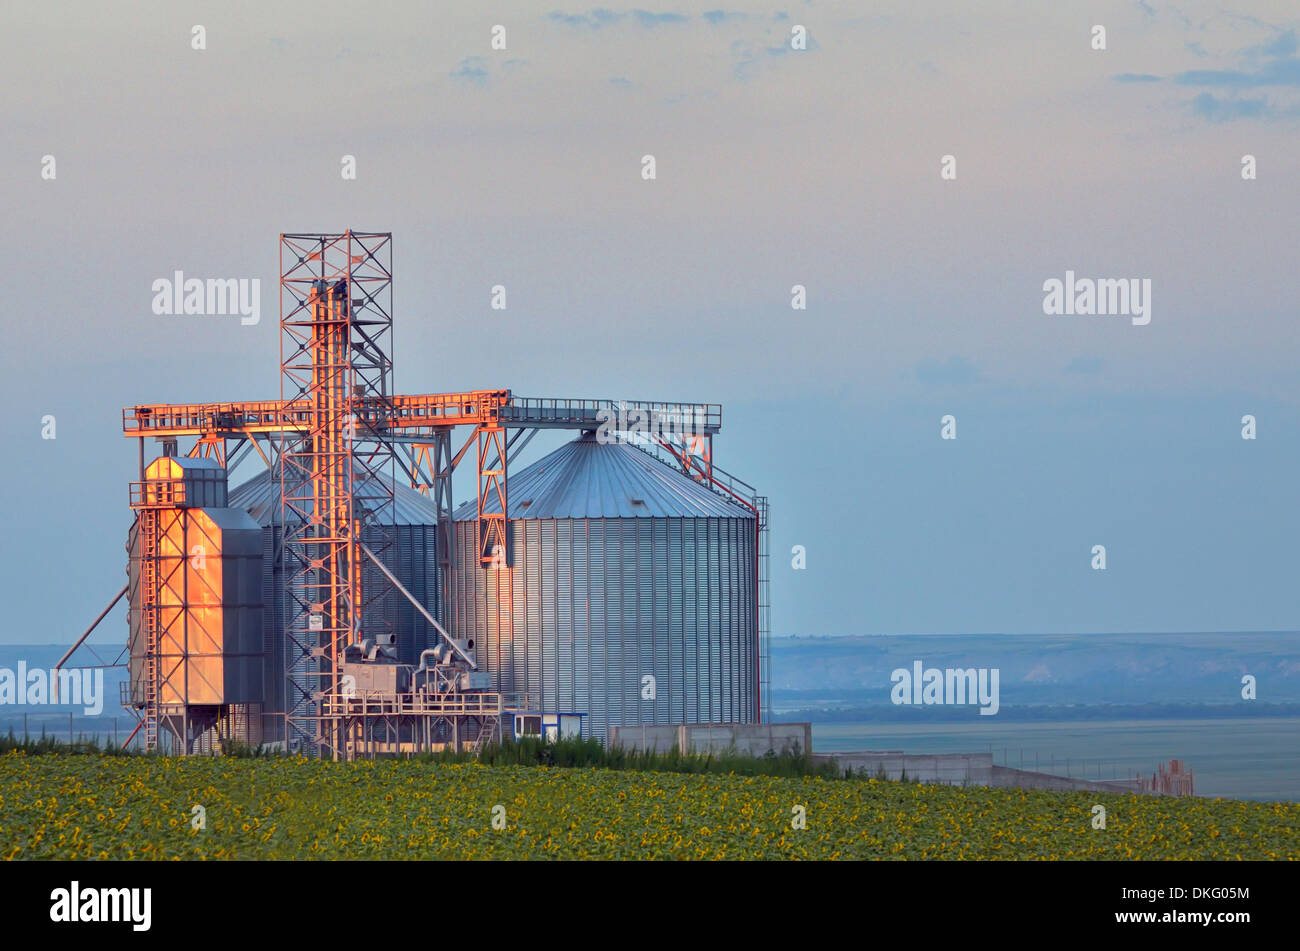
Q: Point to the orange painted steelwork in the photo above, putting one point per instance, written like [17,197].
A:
[337,422]
[423,414]
[180,597]
[492,542]
[336,465]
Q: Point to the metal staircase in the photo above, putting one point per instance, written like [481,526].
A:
[147,537]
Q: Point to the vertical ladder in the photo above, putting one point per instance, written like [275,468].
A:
[764,608]
[148,540]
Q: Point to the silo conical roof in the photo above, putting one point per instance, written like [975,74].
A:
[260,497]
[589,479]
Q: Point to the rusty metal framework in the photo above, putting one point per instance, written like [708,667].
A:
[335,438]
[413,722]
[431,468]
[174,596]
[493,549]
[336,473]
[148,531]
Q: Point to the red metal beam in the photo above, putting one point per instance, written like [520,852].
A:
[401,413]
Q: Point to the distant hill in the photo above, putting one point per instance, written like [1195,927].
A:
[1046,669]
[1172,670]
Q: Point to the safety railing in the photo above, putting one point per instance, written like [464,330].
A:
[706,417]
[158,493]
[214,417]
[419,704]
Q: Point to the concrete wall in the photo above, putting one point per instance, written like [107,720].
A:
[751,739]
[959,769]
[1028,779]
[962,769]
[659,739]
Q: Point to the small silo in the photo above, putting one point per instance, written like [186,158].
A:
[195,606]
[620,568]
[408,548]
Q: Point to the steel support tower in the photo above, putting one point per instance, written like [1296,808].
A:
[336,473]
[335,438]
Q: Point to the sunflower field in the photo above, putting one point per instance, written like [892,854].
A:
[146,807]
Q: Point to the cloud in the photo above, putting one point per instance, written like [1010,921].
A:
[650,20]
[957,371]
[602,17]
[750,53]
[594,20]
[1286,45]
[1281,69]
[1274,64]
[1136,78]
[1280,73]
[750,57]
[472,69]
[621,82]
[1222,110]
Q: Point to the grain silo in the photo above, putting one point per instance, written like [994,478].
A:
[620,568]
[408,548]
[193,570]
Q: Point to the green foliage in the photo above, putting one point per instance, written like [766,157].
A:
[46,745]
[569,753]
[584,752]
[241,750]
[291,808]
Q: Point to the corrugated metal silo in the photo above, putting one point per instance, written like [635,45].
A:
[408,548]
[620,567]
[207,604]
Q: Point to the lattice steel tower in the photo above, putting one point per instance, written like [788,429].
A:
[336,471]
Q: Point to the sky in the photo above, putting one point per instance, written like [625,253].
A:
[774,167]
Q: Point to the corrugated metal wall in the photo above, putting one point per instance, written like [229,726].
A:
[593,605]
[209,608]
[409,548]
[410,551]
[589,605]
